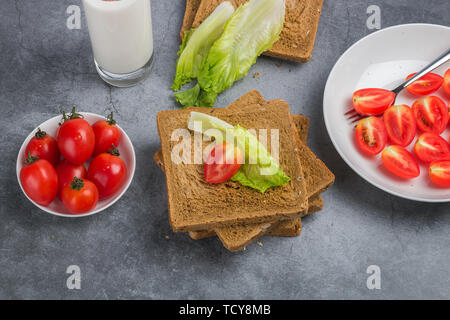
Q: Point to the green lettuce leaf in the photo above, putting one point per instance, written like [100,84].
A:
[251,30]
[196,97]
[197,43]
[260,170]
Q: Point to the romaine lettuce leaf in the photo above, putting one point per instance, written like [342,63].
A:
[251,30]
[260,170]
[197,43]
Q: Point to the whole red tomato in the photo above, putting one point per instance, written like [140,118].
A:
[66,171]
[108,172]
[79,196]
[106,134]
[43,146]
[76,138]
[39,180]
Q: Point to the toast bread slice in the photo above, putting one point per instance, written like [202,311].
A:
[298,36]
[189,16]
[195,205]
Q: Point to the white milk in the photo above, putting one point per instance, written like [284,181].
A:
[121,33]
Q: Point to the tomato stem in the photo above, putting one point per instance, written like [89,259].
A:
[114,151]
[110,118]
[30,159]
[40,134]
[77,184]
[71,116]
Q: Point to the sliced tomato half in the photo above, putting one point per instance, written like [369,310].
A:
[440,173]
[222,163]
[400,124]
[426,85]
[371,135]
[372,101]
[430,147]
[431,114]
[400,162]
[446,82]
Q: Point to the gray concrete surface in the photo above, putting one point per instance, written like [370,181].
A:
[124,253]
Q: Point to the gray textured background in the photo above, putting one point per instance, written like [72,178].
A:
[123,252]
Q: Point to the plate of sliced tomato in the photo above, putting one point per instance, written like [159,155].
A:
[76,165]
[400,143]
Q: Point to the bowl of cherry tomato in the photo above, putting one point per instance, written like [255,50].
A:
[76,165]
[399,142]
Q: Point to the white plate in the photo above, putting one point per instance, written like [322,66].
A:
[126,153]
[383,59]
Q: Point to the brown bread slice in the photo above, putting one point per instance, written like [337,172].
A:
[302,126]
[189,16]
[196,205]
[297,39]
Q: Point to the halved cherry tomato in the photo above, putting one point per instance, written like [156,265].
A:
[430,147]
[446,82]
[106,135]
[400,162]
[39,180]
[400,124]
[79,196]
[440,173]
[43,146]
[431,114]
[372,101]
[426,85]
[67,171]
[371,135]
[108,172]
[76,139]
[222,163]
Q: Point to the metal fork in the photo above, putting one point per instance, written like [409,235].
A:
[352,114]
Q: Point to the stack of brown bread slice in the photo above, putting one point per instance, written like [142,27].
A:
[239,215]
[297,39]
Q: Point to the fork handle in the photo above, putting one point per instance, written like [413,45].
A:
[433,65]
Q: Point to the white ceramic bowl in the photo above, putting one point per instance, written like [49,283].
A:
[383,59]
[126,153]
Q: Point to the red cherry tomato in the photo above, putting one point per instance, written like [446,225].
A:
[431,114]
[372,101]
[400,124]
[426,85]
[371,135]
[43,146]
[430,147]
[106,135]
[440,173]
[76,139]
[39,180]
[222,163]
[446,82]
[79,196]
[400,162]
[108,172]
[67,171]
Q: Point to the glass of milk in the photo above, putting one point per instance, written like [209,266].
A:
[122,39]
